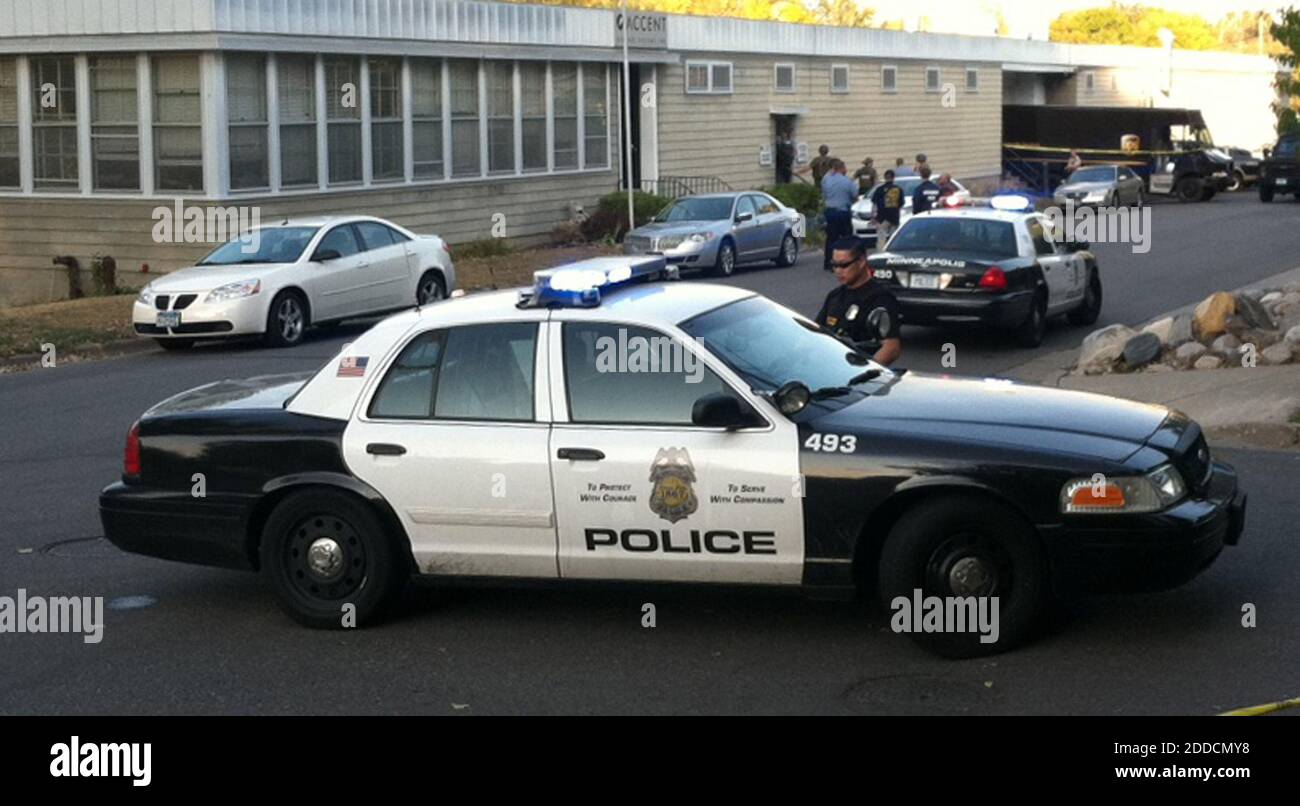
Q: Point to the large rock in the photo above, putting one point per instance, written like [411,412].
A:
[1271,297]
[1172,330]
[1101,348]
[1255,314]
[1211,315]
[1226,346]
[1141,350]
[1292,337]
[1279,353]
[1187,353]
[1208,362]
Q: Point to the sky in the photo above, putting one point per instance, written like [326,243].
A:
[1032,17]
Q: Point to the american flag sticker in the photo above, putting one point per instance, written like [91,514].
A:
[353,366]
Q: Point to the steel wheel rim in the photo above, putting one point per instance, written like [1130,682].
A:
[315,576]
[969,564]
[791,249]
[430,291]
[728,260]
[289,314]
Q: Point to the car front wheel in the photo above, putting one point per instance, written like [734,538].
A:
[287,320]
[963,545]
[725,265]
[330,561]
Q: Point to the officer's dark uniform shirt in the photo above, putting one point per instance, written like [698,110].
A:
[888,201]
[925,197]
[846,309]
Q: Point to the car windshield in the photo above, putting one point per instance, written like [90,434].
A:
[1093,175]
[956,234]
[769,345]
[714,208]
[266,245]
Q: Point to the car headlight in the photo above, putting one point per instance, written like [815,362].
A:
[237,290]
[1152,492]
[1095,196]
[146,295]
[698,237]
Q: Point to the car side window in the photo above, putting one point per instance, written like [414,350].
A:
[487,373]
[765,205]
[407,390]
[375,235]
[745,205]
[623,374]
[341,239]
[1042,242]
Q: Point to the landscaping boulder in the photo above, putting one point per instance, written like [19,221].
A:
[1103,347]
[1226,346]
[1279,353]
[1292,337]
[1255,314]
[1188,353]
[1211,315]
[1208,362]
[1141,350]
[1172,330]
[1271,297]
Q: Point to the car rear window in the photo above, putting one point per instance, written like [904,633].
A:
[925,234]
[1093,175]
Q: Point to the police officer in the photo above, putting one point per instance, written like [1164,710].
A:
[838,193]
[927,194]
[785,152]
[848,306]
[887,207]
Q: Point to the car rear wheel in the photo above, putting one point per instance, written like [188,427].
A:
[1031,331]
[789,251]
[1088,312]
[175,344]
[330,560]
[963,545]
[725,265]
[1237,182]
[431,289]
[287,320]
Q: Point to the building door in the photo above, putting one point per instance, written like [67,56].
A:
[783,147]
[634,76]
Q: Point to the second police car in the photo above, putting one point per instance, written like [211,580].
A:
[997,265]
[610,425]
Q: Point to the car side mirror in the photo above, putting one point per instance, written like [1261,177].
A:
[720,410]
[322,255]
[791,398]
[741,218]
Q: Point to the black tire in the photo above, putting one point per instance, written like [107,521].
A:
[1189,189]
[367,571]
[968,545]
[789,251]
[1088,312]
[175,345]
[1265,192]
[1207,193]
[725,265]
[1238,182]
[287,320]
[431,288]
[1031,331]
[1140,200]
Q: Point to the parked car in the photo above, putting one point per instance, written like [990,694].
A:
[1281,169]
[1245,168]
[276,281]
[720,231]
[1101,185]
[864,227]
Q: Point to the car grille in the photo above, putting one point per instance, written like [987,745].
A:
[160,301]
[1196,464]
[640,243]
[192,328]
[183,301]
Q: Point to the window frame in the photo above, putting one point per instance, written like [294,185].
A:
[378,122]
[776,78]
[847,88]
[95,123]
[9,67]
[889,87]
[59,124]
[198,125]
[309,124]
[937,72]
[972,72]
[264,123]
[709,88]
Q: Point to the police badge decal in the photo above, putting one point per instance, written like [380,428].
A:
[672,497]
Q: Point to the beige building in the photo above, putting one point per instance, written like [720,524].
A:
[476,119]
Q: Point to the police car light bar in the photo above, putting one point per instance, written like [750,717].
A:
[1007,202]
[579,285]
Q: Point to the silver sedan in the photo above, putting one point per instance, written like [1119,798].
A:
[1102,185]
[720,231]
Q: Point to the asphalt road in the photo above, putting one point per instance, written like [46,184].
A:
[212,641]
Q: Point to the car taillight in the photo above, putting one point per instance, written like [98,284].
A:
[994,279]
[131,457]
[446,249]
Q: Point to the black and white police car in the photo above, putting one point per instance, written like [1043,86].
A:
[994,263]
[609,425]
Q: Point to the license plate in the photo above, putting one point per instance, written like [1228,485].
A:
[168,319]
[920,280]
[1281,181]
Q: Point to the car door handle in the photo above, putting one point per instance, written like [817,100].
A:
[385,449]
[580,454]
[363,265]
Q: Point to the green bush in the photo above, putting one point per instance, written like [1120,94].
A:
[803,197]
[645,206]
[488,247]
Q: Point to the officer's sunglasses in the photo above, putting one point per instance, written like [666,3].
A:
[845,264]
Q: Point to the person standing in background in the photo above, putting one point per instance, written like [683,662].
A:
[820,165]
[902,170]
[921,162]
[784,157]
[866,176]
[838,194]
[1074,163]
[887,203]
[927,194]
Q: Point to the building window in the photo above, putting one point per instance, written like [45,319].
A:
[889,79]
[708,77]
[54,122]
[783,78]
[177,123]
[426,118]
[501,116]
[246,106]
[595,116]
[343,119]
[1089,81]
[296,90]
[839,78]
[932,79]
[972,79]
[386,150]
[532,91]
[465,123]
[114,119]
[564,87]
[9,176]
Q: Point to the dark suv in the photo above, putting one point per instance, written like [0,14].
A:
[1281,170]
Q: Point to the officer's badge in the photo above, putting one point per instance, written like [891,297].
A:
[851,313]
[672,497]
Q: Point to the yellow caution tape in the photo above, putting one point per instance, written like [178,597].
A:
[1267,708]
[1082,151]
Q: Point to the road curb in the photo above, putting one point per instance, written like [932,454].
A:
[110,349]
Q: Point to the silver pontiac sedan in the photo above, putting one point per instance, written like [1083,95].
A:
[1101,185]
[720,231]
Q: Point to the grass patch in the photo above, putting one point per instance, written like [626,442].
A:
[516,268]
[66,325]
[488,247]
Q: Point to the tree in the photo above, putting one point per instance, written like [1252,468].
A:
[1286,30]
[1133,25]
